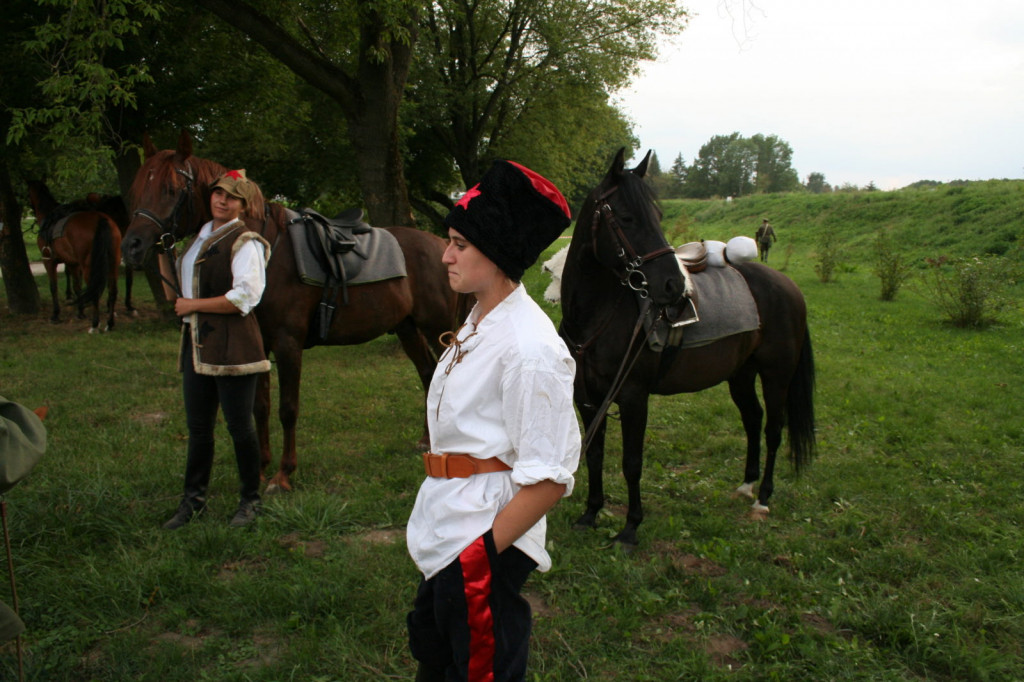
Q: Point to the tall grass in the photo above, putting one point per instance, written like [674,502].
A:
[896,556]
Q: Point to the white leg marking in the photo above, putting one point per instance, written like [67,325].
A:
[747,490]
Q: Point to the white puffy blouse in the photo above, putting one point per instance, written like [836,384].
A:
[248,272]
[504,390]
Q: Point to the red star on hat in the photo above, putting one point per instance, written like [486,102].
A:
[468,196]
[234,175]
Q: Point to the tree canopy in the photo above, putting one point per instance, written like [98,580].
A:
[733,165]
[393,104]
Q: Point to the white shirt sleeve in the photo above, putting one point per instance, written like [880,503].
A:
[541,422]
[248,277]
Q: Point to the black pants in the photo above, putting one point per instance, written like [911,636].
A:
[469,621]
[235,396]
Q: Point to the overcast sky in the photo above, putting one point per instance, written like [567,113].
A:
[883,91]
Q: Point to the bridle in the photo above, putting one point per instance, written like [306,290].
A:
[630,273]
[169,235]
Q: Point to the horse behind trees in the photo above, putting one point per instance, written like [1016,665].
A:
[113,205]
[87,242]
[170,200]
[620,268]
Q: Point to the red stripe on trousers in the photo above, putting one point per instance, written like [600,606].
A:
[476,578]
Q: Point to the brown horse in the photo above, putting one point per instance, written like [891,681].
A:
[87,242]
[113,205]
[170,199]
[618,267]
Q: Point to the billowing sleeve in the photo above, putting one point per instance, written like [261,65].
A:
[540,420]
[248,275]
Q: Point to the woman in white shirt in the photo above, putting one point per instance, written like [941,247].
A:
[222,275]
[504,438]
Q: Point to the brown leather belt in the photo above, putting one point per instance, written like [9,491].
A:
[451,465]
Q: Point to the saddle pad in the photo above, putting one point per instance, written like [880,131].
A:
[384,258]
[725,305]
[53,230]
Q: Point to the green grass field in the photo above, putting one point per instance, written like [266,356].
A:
[896,556]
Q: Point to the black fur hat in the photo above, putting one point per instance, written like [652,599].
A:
[512,215]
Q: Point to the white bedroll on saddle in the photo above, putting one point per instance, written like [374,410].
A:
[715,288]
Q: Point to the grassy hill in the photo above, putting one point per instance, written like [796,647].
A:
[968,219]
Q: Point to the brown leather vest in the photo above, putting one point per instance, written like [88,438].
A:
[224,345]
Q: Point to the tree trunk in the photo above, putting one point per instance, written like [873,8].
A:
[19,284]
[373,132]
[369,98]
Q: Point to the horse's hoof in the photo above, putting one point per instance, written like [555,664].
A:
[758,512]
[277,485]
[746,490]
[92,330]
[626,542]
[585,522]
[626,548]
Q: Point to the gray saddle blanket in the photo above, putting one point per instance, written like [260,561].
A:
[53,227]
[370,254]
[724,306]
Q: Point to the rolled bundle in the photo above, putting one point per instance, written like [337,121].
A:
[740,250]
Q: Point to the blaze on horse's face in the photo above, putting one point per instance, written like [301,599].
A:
[627,236]
[158,200]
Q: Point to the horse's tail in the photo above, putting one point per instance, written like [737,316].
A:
[99,267]
[800,408]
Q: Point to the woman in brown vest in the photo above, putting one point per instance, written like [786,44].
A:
[222,275]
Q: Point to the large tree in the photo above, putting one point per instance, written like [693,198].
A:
[364,74]
[18,76]
[723,167]
[733,165]
[544,86]
[485,67]
[774,170]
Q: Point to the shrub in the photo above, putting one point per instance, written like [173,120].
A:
[828,256]
[889,265]
[970,291]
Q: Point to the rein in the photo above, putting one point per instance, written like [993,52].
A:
[169,237]
[630,276]
[620,376]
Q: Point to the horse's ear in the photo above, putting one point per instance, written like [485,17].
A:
[148,148]
[619,164]
[641,168]
[184,145]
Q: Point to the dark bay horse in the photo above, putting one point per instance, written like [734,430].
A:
[618,264]
[89,246]
[113,205]
[170,200]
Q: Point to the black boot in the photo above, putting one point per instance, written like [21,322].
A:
[188,510]
[246,514]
